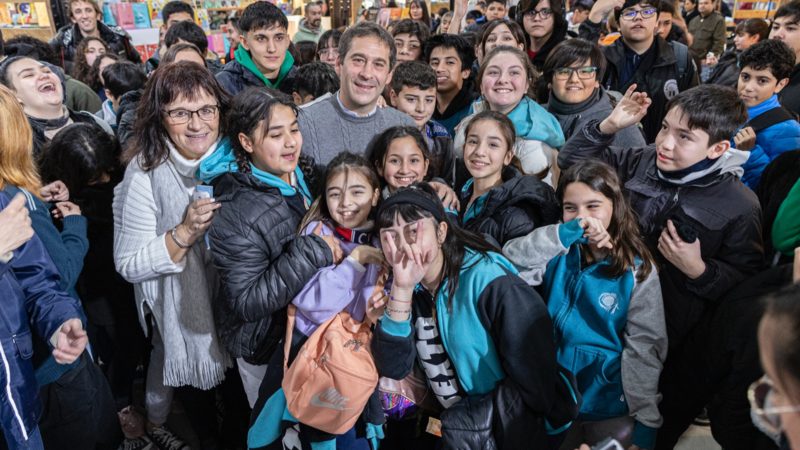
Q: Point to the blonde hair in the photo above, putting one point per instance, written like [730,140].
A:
[16,146]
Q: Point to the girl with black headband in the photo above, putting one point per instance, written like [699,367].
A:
[481,334]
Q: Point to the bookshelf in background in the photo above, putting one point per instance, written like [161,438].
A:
[31,18]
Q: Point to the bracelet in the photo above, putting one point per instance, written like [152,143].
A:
[397,311]
[174,234]
[392,298]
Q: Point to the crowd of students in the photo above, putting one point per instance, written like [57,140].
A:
[501,234]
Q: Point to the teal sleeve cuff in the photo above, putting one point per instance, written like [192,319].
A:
[395,328]
[570,233]
[643,436]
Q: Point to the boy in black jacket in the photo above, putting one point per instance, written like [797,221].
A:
[702,224]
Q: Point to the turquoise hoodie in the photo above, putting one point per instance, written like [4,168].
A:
[223,161]
[532,122]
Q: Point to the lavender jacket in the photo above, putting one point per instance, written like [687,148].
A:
[343,287]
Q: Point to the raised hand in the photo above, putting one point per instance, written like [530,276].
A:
[55,192]
[407,260]
[65,209]
[602,8]
[198,218]
[70,341]
[745,139]
[629,111]
[446,194]
[15,225]
[596,233]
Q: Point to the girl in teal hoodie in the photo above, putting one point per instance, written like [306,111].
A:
[603,293]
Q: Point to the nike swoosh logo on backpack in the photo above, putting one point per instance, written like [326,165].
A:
[329,398]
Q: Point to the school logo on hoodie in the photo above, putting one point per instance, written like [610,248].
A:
[609,302]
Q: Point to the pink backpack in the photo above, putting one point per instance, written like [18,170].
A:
[331,379]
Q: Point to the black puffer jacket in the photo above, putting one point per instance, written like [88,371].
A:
[723,213]
[126,115]
[511,210]
[261,261]
[235,78]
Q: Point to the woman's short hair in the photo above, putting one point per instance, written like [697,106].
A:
[182,79]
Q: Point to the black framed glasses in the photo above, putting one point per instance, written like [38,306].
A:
[544,13]
[326,52]
[584,73]
[180,116]
[646,13]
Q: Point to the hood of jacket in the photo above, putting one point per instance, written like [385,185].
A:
[516,189]
[533,122]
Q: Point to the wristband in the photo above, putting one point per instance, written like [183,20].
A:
[397,311]
[174,234]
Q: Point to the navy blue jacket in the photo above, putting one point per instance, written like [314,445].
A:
[29,287]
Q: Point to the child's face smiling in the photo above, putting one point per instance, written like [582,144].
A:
[350,198]
[679,147]
[757,86]
[581,201]
[404,163]
[417,103]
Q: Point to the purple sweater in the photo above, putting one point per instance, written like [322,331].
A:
[343,287]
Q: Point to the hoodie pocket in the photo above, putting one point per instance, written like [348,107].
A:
[599,379]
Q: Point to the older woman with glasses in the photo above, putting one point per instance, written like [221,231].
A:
[571,80]
[160,217]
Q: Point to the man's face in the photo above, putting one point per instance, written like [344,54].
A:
[417,103]
[757,86]
[639,29]
[313,15]
[267,47]
[495,11]
[689,5]
[233,35]
[84,14]
[787,29]
[679,147]
[664,24]
[179,17]
[363,72]
[447,65]
[36,87]
[705,7]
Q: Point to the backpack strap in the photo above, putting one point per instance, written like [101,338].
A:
[291,313]
[682,56]
[769,118]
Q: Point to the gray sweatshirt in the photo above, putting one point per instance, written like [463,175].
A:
[328,129]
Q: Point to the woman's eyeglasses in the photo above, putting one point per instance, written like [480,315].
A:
[180,116]
[328,52]
[584,73]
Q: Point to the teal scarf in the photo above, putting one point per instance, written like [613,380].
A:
[223,161]
[243,57]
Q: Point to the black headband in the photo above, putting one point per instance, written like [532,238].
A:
[410,196]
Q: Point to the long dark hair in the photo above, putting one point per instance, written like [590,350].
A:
[251,108]
[506,129]
[426,16]
[343,162]
[81,70]
[80,155]
[376,151]
[624,228]
[455,243]
[182,79]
